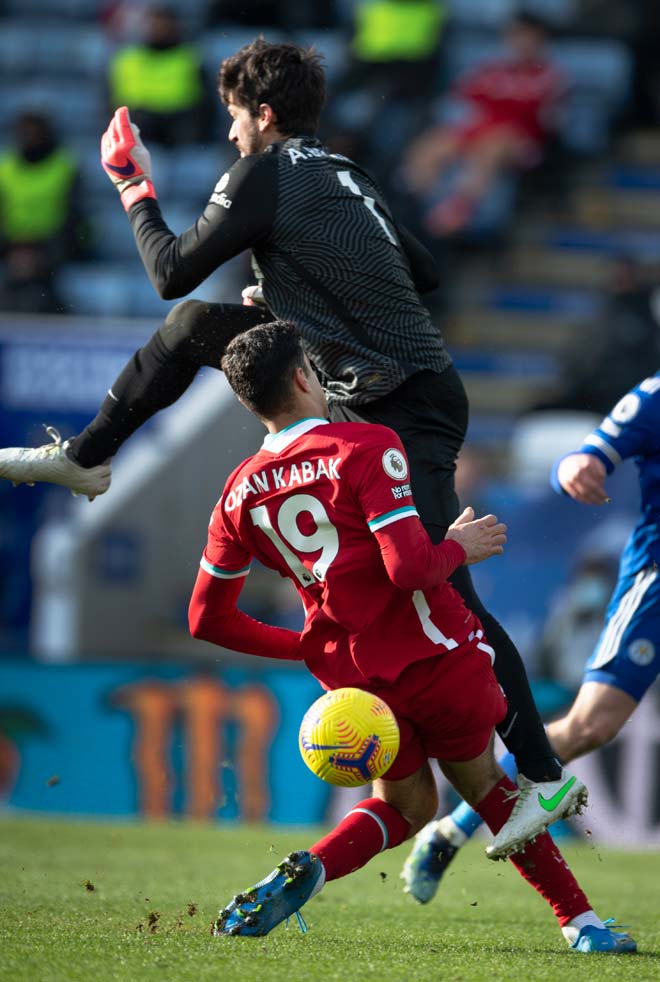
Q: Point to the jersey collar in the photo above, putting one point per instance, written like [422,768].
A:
[277,442]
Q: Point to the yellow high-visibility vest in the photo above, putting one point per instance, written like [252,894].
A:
[161,81]
[390,31]
[34,197]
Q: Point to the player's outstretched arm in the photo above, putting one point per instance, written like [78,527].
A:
[481,538]
[582,476]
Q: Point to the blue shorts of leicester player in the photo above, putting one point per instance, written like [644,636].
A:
[627,655]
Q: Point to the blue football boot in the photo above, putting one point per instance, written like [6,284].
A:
[261,908]
[431,855]
[603,939]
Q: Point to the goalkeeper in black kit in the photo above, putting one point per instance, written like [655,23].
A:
[328,255]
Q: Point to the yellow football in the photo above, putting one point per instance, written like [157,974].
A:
[349,737]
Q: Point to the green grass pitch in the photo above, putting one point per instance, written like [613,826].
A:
[95,902]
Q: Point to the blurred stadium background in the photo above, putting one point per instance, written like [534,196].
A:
[549,306]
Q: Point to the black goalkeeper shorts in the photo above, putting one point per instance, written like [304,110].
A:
[429,411]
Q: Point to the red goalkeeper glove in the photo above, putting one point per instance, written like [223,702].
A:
[126,160]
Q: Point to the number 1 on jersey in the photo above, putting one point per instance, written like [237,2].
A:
[346,178]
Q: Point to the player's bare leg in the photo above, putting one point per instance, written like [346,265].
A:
[597,715]
[474,779]
[416,797]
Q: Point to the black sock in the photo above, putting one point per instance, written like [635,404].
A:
[522,729]
[153,379]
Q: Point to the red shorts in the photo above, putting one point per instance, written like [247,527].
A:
[446,707]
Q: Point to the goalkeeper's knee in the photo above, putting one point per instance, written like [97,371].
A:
[184,324]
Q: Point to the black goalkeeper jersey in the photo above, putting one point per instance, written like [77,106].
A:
[328,254]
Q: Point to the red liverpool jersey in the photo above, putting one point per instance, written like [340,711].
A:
[308,505]
[521,94]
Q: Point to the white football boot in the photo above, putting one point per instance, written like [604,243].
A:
[27,465]
[536,807]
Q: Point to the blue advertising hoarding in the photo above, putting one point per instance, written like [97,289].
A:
[157,742]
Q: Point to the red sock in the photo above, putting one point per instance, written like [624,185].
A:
[369,828]
[540,862]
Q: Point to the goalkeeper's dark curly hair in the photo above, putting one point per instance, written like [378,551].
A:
[260,363]
[288,78]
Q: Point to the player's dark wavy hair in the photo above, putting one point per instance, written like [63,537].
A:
[259,365]
[290,79]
